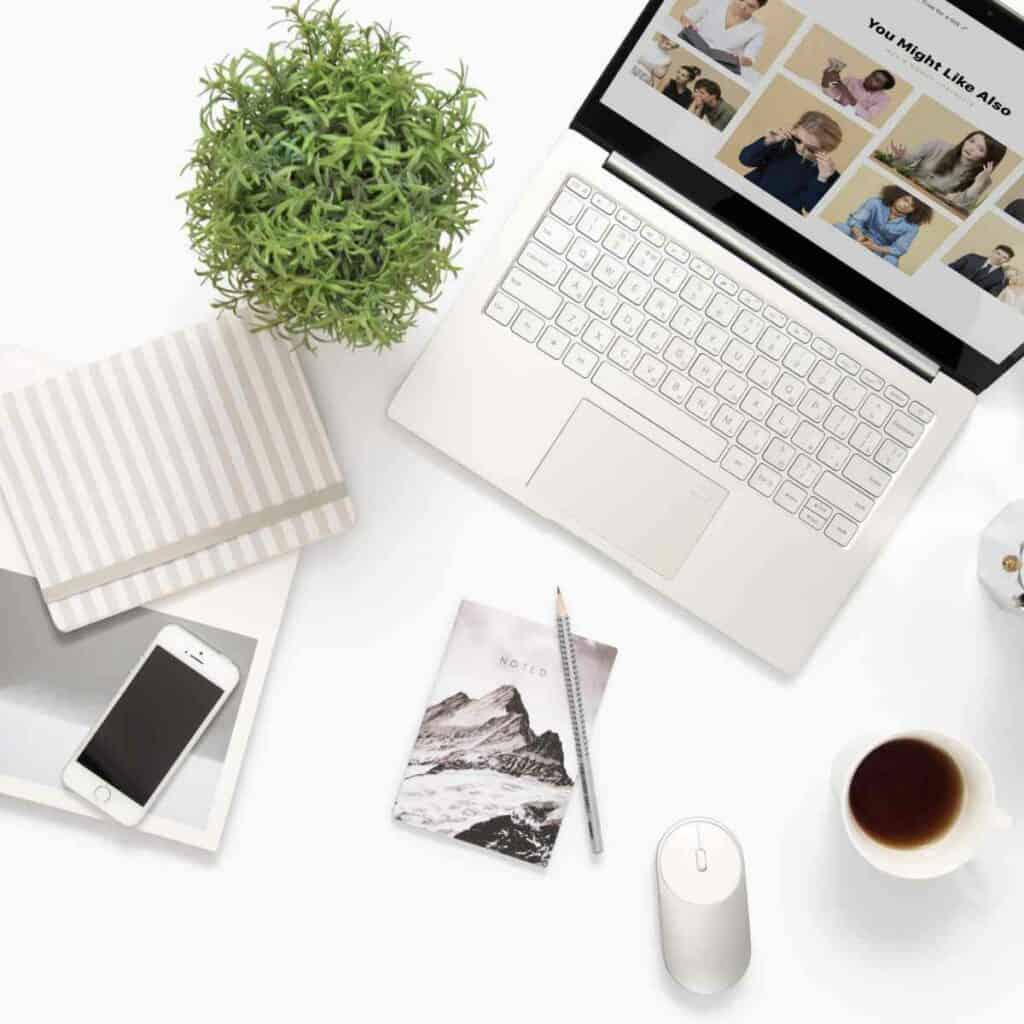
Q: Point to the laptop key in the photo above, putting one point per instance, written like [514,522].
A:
[866,476]
[805,471]
[754,438]
[653,407]
[627,320]
[731,387]
[581,360]
[738,463]
[748,327]
[738,356]
[537,260]
[905,430]
[713,339]
[764,373]
[875,410]
[727,420]
[833,454]
[568,207]
[645,259]
[702,404]
[581,188]
[686,322]
[790,497]
[554,235]
[653,336]
[765,480]
[593,225]
[697,292]
[532,293]
[896,396]
[502,309]
[756,403]
[650,370]
[619,242]
[921,412]
[680,353]
[609,272]
[799,360]
[812,519]
[782,421]
[706,371]
[818,507]
[576,285]
[554,342]
[865,440]
[602,303]
[670,276]
[598,336]
[842,531]
[808,438]
[891,455]
[676,387]
[773,343]
[661,305]
[624,353]
[844,497]
[572,319]
[583,254]
[779,455]
[850,394]
[528,326]
[722,310]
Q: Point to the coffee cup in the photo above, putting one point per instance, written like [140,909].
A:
[916,804]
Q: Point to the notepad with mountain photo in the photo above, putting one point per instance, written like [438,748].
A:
[493,762]
[169,465]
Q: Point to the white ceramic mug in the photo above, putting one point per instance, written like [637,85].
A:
[979,814]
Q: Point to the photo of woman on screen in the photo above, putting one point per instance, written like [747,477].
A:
[730,26]
[958,173]
[888,224]
[1013,294]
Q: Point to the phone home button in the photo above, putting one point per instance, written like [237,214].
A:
[101,794]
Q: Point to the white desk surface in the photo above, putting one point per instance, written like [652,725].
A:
[318,905]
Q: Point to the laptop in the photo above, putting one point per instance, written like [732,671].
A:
[728,351]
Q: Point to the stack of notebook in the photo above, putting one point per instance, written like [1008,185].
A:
[166,466]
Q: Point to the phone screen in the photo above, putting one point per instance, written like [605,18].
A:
[145,732]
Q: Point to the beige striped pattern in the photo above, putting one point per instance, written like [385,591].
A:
[163,467]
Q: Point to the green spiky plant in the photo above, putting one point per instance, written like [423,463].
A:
[332,182]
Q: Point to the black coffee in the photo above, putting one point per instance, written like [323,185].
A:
[906,793]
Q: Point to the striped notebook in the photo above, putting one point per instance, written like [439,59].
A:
[166,466]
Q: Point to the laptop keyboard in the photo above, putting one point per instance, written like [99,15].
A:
[737,380]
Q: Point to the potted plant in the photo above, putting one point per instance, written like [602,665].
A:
[332,182]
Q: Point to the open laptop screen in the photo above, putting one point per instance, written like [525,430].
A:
[889,135]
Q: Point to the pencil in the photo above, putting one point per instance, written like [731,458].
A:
[574,692]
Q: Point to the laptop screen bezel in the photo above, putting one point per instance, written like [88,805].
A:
[615,133]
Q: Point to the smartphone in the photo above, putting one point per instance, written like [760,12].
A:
[170,697]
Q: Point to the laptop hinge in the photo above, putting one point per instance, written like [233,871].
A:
[774,268]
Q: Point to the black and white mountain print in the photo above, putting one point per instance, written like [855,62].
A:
[490,765]
[479,772]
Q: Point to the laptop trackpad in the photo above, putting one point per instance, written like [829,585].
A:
[638,497]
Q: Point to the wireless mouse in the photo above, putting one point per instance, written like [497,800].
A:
[702,905]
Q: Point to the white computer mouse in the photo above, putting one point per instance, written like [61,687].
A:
[702,904]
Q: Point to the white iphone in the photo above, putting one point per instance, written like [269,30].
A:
[156,718]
